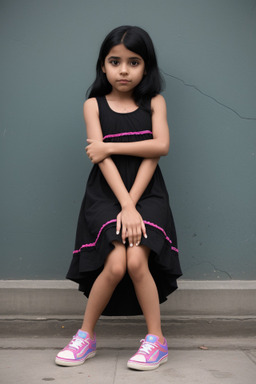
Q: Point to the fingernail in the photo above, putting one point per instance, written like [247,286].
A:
[146,236]
[131,245]
[137,244]
[117,232]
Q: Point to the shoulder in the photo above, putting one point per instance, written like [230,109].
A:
[91,110]
[158,103]
[91,118]
[91,105]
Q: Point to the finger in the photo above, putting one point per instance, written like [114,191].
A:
[118,224]
[143,228]
[134,235]
[130,237]
[138,236]
[123,234]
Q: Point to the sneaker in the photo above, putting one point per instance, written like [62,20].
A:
[150,355]
[80,348]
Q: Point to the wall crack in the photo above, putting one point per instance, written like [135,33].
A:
[213,266]
[209,96]
[219,270]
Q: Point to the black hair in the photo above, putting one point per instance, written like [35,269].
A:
[136,40]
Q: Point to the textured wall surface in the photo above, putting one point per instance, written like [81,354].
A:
[207,53]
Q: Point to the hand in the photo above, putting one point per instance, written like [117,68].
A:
[96,150]
[132,225]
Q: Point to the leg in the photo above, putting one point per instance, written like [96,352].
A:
[104,286]
[145,288]
[83,345]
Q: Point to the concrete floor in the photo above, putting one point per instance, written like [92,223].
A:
[192,359]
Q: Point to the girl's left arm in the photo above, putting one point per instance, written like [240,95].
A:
[143,177]
[155,148]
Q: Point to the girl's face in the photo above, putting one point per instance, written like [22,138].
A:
[124,69]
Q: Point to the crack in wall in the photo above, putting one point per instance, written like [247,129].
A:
[219,270]
[213,266]
[209,96]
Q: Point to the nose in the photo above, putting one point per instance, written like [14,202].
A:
[123,69]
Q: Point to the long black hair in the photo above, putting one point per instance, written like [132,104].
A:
[136,40]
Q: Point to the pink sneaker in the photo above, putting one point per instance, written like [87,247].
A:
[150,355]
[80,348]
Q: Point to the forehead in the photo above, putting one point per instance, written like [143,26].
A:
[121,51]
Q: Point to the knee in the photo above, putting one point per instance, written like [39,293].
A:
[136,268]
[115,265]
[116,272]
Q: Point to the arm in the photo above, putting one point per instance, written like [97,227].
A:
[148,165]
[132,223]
[160,132]
[143,177]
[158,146]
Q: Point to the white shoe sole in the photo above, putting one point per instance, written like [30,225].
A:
[73,363]
[145,366]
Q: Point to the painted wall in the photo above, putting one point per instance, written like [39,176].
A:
[207,52]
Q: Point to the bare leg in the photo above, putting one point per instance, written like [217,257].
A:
[104,286]
[145,288]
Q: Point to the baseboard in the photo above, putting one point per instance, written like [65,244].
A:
[193,298]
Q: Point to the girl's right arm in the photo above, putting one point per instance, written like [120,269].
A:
[132,223]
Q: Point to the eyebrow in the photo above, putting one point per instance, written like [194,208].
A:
[118,58]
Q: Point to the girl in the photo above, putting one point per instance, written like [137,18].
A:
[126,257]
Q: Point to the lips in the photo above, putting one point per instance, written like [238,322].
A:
[123,81]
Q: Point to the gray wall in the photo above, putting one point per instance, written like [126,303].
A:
[207,52]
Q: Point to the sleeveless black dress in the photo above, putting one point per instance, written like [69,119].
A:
[96,229]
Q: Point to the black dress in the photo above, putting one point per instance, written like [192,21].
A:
[96,229]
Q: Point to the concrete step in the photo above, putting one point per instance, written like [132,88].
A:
[193,298]
[123,327]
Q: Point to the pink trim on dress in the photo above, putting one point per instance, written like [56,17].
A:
[160,229]
[127,134]
[97,238]
[114,221]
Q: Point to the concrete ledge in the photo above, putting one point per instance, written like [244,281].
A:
[173,326]
[47,298]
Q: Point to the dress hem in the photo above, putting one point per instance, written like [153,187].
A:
[93,244]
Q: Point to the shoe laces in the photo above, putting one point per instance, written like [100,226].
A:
[146,347]
[76,342]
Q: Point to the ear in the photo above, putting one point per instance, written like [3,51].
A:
[103,68]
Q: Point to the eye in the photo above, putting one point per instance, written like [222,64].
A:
[134,63]
[114,62]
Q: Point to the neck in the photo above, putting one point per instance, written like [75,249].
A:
[121,96]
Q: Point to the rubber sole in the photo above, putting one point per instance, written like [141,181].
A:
[73,363]
[145,366]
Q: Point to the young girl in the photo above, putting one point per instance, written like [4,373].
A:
[126,256]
